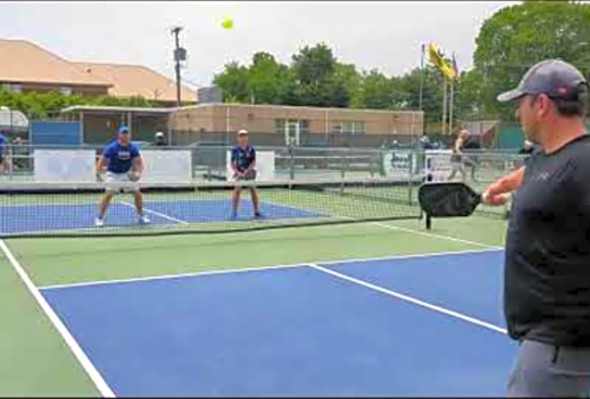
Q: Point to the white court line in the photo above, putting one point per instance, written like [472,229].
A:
[70,341]
[407,298]
[262,268]
[424,233]
[162,215]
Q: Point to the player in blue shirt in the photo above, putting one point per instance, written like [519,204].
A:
[243,164]
[124,168]
[3,144]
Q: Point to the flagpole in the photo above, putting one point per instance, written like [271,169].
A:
[444,112]
[451,105]
[422,77]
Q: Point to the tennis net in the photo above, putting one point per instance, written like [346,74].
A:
[70,209]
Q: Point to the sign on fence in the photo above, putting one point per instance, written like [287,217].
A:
[167,166]
[64,166]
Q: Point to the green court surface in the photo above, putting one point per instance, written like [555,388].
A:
[37,361]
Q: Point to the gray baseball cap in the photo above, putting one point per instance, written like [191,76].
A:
[555,78]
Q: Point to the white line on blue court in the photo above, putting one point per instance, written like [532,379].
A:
[410,299]
[262,268]
[162,215]
[68,338]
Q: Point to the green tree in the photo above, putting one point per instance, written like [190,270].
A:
[377,91]
[265,79]
[315,70]
[42,105]
[519,36]
[468,97]
[351,79]
[233,82]
[432,92]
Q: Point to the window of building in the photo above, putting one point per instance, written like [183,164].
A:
[12,87]
[280,126]
[292,129]
[65,91]
[351,128]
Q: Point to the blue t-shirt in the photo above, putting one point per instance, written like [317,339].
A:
[2,143]
[242,157]
[119,156]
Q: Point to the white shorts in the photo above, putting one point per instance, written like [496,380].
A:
[120,182]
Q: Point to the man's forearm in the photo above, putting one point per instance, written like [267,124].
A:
[138,165]
[508,183]
[100,164]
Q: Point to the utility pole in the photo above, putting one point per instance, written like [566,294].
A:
[179,55]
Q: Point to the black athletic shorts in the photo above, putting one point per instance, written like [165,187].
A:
[251,175]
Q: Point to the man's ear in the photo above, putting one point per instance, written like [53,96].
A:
[544,105]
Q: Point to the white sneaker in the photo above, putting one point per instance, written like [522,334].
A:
[143,219]
[98,222]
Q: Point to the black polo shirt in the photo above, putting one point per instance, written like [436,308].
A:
[547,264]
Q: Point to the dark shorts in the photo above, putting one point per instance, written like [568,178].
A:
[471,159]
[456,158]
[1,159]
[251,175]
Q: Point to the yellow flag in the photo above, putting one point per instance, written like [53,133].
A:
[439,62]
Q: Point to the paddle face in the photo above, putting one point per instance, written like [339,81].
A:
[451,199]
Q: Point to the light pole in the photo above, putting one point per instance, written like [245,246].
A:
[179,55]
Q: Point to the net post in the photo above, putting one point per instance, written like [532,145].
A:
[428,222]
[411,176]
[342,165]
[291,161]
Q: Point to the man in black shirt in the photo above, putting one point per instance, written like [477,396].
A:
[547,259]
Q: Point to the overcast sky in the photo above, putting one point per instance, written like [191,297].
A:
[382,35]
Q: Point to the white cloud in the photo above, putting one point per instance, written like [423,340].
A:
[383,35]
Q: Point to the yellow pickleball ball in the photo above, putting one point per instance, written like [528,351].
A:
[227,23]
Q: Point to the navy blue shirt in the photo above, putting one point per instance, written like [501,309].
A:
[119,156]
[2,143]
[242,158]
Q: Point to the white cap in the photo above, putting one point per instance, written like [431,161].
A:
[159,134]
[242,132]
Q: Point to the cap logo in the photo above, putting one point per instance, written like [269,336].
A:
[562,91]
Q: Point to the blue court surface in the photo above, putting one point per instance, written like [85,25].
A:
[33,218]
[416,325]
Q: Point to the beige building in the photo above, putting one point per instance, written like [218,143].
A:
[280,125]
[267,124]
[138,81]
[26,66]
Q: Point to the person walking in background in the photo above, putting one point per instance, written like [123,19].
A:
[465,144]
